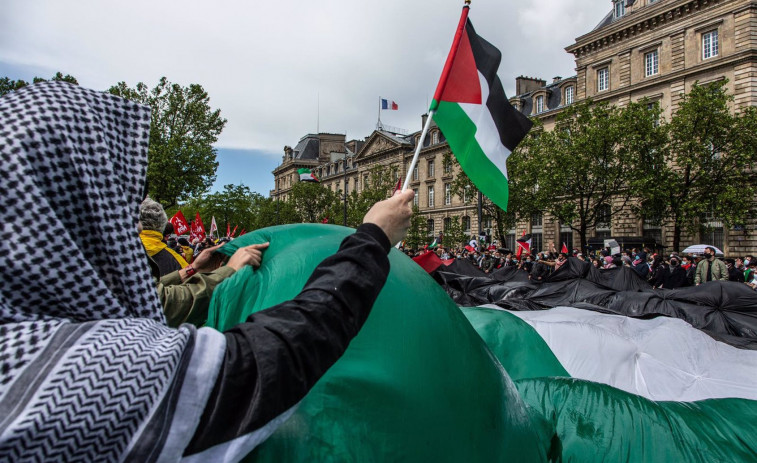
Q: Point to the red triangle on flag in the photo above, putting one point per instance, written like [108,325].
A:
[463,85]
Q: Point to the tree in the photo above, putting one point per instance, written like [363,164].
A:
[702,171]
[379,186]
[7,85]
[313,202]
[454,235]
[520,203]
[417,233]
[580,172]
[181,161]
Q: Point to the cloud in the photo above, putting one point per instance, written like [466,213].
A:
[282,69]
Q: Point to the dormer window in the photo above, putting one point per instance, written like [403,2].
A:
[539,104]
[569,90]
[619,8]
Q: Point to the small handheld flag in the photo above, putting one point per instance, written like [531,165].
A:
[180,225]
[213,226]
[471,109]
[524,244]
[307,176]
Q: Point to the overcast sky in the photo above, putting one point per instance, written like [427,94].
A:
[279,70]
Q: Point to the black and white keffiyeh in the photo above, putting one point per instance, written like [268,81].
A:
[89,371]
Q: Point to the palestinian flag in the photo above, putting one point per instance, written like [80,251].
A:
[307,176]
[524,244]
[471,109]
[483,384]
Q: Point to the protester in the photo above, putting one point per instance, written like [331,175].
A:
[675,277]
[710,268]
[90,370]
[153,221]
[734,273]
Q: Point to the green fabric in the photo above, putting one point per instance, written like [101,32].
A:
[598,423]
[517,346]
[416,385]
[460,132]
[424,382]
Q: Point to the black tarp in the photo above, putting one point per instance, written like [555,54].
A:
[725,310]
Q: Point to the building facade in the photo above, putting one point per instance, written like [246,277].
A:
[655,49]
[344,166]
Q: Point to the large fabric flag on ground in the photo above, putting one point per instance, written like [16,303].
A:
[471,109]
[484,384]
[306,175]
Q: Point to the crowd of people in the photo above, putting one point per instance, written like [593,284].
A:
[661,271]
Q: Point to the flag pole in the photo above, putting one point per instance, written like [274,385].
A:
[439,89]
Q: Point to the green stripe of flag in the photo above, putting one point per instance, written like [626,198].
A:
[460,132]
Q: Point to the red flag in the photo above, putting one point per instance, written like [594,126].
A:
[325,220]
[199,225]
[399,185]
[244,230]
[429,261]
[564,248]
[234,232]
[180,225]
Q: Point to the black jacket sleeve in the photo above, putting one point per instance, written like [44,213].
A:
[278,354]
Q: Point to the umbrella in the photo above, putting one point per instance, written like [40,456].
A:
[699,249]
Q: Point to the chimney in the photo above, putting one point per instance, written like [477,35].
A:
[556,79]
[287,153]
[424,118]
[525,84]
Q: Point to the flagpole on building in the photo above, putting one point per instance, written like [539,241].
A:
[378,124]
[439,89]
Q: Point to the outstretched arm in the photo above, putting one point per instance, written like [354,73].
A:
[278,354]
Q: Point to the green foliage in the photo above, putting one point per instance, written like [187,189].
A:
[417,234]
[181,159]
[379,187]
[313,202]
[702,170]
[454,235]
[7,85]
[591,158]
[467,191]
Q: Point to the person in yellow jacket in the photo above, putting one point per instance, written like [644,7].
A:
[186,249]
[152,222]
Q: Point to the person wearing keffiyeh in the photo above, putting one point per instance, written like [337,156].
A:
[90,370]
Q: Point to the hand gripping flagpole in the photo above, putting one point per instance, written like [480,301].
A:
[439,89]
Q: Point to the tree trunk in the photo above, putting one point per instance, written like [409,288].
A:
[676,236]
[582,235]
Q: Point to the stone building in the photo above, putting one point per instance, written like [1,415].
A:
[642,48]
[656,49]
[344,166]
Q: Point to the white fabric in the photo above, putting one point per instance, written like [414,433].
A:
[487,134]
[236,449]
[661,358]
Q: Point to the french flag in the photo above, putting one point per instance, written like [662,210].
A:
[387,104]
